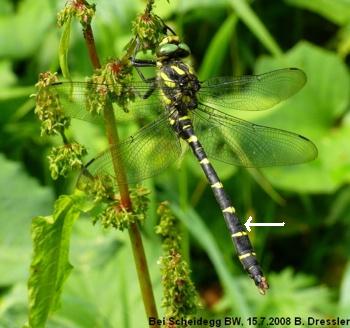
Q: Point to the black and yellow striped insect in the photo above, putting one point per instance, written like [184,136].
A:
[189,109]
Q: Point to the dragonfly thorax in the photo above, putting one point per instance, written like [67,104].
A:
[179,85]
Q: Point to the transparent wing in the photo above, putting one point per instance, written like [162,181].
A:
[238,142]
[254,92]
[147,153]
[84,100]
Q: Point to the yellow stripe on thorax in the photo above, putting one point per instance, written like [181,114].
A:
[167,81]
[163,76]
[166,100]
[178,70]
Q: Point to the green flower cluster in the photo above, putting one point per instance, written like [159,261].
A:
[80,9]
[180,298]
[65,158]
[110,82]
[117,216]
[149,29]
[48,107]
[99,187]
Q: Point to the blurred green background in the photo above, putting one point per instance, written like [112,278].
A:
[306,262]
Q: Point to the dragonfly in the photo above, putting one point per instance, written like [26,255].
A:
[183,108]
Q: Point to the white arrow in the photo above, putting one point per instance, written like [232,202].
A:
[249,224]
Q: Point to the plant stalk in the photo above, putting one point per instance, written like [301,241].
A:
[91,46]
[134,232]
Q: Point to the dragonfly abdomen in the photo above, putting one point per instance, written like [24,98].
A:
[239,235]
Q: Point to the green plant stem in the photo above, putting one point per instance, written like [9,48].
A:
[142,272]
[134,232]
[113,140]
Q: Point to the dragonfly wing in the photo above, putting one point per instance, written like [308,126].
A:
[84,100]
[238,142]
[252,92]
[147,153]
[71,98]
[147,103]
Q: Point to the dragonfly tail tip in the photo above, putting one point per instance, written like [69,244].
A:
[263,286]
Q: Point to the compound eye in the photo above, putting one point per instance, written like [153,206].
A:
[185,48]
[167,49]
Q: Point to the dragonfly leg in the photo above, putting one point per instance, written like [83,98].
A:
[139,63]
[151,89]
[151,81]
[143,62]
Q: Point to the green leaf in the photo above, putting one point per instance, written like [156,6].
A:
[286,291]
[8,78]
[102,258]
[337,11]
[323,99]
[13,306]
[339,209]
[64,47]
[103,289]
[50,266]
[247,15]
[22,33]
[344,41]
[205,238]
[6,7]
[16,92]
[21,197]
[215,54]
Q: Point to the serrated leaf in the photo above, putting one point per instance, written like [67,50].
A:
[64,47]
[103,289]
[50,266]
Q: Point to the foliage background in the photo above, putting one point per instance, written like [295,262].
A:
[307,262]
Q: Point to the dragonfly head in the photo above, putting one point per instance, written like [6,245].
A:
[171,47]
